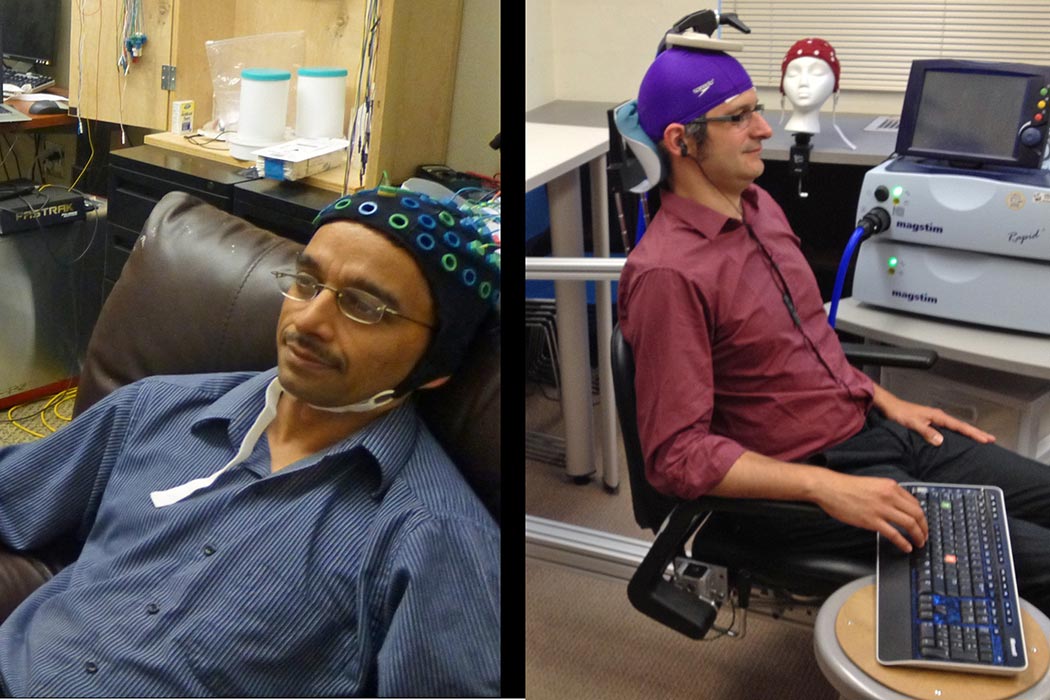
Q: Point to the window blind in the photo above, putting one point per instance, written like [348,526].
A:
[877,41]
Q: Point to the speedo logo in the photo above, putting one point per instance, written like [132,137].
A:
[911,297]
[918,228]
[699,90]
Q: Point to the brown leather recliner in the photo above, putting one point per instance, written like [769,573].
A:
[196,295]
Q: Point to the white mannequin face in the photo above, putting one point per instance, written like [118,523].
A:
[808,82]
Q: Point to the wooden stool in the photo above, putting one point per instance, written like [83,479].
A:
[844,642]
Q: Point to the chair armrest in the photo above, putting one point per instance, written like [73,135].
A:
[653,595]
[757,506]
[888,356]
[658,598]
[20,575]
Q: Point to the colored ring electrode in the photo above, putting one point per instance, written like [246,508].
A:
[432,228]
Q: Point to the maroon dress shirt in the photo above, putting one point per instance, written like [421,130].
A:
[723,365]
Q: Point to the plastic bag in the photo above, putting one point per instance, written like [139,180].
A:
[226,59]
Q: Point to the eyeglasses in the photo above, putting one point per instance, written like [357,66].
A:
[741,120]
[355,304]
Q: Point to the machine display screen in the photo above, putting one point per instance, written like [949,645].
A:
[969,114]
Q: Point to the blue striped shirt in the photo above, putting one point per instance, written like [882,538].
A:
[368,568]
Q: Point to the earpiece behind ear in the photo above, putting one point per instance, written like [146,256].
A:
[682,149]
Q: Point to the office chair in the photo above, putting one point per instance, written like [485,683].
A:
[721,560]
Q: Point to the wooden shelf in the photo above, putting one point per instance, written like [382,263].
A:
[331,180]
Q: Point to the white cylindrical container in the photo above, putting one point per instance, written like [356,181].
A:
[264,105]
[320,102]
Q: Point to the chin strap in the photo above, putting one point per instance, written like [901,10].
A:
[380,399]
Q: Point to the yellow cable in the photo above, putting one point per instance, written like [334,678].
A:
[11,418]
[53,403]
[68,395]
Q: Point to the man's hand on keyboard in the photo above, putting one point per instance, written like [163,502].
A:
[877,504]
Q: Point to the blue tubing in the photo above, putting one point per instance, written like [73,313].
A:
[840,278]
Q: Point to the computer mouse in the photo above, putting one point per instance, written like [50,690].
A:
[47,107]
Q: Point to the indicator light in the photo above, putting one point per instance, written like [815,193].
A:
[898,191]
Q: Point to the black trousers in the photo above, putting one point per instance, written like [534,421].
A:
[886,449]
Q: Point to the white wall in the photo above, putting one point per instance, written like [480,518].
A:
[598,50]
[539,53]
[594,50]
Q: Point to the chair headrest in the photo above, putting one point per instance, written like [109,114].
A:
[641,146]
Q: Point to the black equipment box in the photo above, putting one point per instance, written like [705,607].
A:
[38,209]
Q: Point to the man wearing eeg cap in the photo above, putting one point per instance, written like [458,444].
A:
[742,386]
[461,269]
[293,532]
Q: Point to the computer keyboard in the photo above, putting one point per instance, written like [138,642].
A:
[952,604]
[22,83]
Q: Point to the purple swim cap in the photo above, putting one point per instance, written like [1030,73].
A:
[683,84]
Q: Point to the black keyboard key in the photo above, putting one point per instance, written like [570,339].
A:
[935,653]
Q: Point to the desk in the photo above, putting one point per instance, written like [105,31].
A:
[39,121]
[36,121]
[553,152]
[1018,353]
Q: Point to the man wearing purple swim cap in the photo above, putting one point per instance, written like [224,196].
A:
[742,385]
[685,95]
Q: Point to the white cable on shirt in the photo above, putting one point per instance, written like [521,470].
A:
[175,494]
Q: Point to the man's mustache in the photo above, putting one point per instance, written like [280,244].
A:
[312,345]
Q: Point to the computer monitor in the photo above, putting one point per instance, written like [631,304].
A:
[29,30]
[973,113]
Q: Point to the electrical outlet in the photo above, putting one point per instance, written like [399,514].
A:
[52,156]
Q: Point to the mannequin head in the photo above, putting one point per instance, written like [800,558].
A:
[809,75]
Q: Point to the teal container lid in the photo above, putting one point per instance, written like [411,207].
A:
[265,74]
[323,72]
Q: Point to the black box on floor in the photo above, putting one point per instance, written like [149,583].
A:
[40,208]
